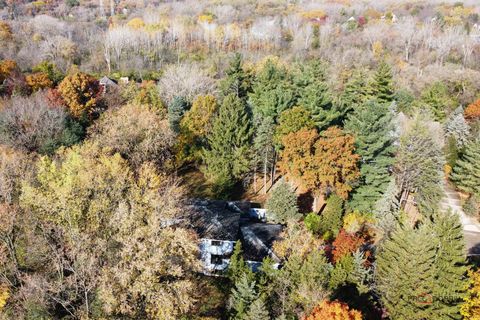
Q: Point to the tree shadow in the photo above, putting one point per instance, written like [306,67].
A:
[364,302]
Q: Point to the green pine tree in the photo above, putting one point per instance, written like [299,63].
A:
[176,109]
[314,94]
[381,86]
[258,311]
[450,264]
[282,204]
[372,125]
[272,92]
[419,166]
[466,173]
[236,81]
[242,296]
[237,267]
[438,100]
[387,208]
[227,156]
[331,218]
[354,93]
[405,274]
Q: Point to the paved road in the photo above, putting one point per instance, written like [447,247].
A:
[471,227]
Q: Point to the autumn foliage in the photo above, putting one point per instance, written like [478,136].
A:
[6,69]
[346,243]
[470,309]
[38,81]
[79,91]
[472,112]
[321,162]
[333,310]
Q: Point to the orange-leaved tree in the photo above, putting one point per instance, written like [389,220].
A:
[472,111]
[321,163]
[334,310]
[346,243]
[79,92]
[7,67]
[337,161]
[38,81]
[298,157]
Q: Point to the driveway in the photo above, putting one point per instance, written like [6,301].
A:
[471,227]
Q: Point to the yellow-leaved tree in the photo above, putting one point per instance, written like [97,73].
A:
[334,310]
[194,127]
[470,309]
[38,81]
[80,92]
[119,233]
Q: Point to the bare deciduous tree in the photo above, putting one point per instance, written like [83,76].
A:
[185,80]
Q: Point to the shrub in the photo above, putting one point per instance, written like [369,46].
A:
[282,204]
[313,222]
[472,111]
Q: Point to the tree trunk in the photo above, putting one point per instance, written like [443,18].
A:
[112,7]
[265,172]
[318,201]
[274,165]
[102,9]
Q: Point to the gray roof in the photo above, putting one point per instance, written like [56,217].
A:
[106,81]
[258,238]
[214,219]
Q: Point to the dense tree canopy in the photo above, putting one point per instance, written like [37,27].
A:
[372,126]
[352,125]
[227,155]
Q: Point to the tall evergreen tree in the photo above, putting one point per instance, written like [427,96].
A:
[354,93]
[243,295]
[236,81]
[314,94]
[371,123]
[272,91]
[420,271]
[466,173]
[387,208]
[457,127]
[282,204]
[258,311]
[238,267]
[381,86]
[419,166]
[405,274]
[176,109]
[450,264]
[437,98]
[227,156]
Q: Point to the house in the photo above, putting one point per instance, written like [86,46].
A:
[106,83]
[220,224]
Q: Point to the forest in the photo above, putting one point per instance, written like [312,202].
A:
[240,159]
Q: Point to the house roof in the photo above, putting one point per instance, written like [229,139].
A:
[258,238]
[214,219]
[106,81]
